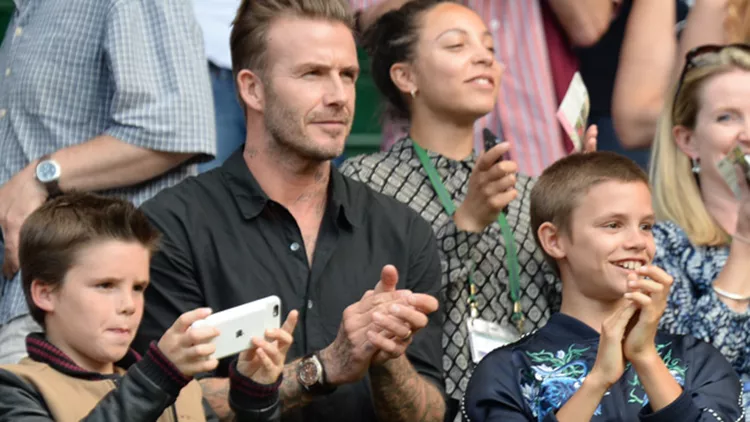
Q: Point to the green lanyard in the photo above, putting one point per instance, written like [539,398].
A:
[511,256]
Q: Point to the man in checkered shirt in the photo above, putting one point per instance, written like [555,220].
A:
[111,96]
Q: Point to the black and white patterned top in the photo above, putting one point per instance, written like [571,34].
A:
[398,173]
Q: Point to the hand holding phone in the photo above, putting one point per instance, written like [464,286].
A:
[264,361]
[735,170]
[491,188]
[238,325]
[190,349]
[741,160]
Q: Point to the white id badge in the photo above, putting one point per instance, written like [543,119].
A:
[486,336]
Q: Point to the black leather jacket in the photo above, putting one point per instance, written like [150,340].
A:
[143,393]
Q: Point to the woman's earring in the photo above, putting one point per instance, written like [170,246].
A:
[414,93]
[696,166]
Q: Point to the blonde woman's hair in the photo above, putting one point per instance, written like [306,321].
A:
[676,194]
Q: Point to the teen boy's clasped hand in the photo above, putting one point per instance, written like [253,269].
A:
[629,336]
[650,297]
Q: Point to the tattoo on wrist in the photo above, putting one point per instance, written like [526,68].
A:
[216,393]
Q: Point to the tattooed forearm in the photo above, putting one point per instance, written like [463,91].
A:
[216,393]
[402,395]
[291,393]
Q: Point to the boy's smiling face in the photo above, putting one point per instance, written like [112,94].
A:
[609,237]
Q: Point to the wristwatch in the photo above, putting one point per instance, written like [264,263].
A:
[48,174]
[312,376]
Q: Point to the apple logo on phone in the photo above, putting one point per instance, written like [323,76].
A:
[238,334]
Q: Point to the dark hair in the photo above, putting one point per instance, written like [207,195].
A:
[559,189]
[52,236]
[390,40]
[249,37]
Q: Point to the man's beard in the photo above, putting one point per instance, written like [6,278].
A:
[287,132]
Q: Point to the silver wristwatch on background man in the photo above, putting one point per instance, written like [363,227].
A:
[48,174]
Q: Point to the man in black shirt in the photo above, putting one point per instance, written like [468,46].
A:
[278,219]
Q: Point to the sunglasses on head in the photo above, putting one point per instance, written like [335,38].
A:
[692,63]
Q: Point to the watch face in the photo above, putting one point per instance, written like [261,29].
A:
[309,372]
[47,171]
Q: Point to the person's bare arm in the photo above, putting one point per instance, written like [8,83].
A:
[649,289]
[735,276]
[100,163]
[105,162]
[584,21]
[660,386]
[403,395]
[704,25]
[369,15]
[608,368]
[644,73]
[582,405]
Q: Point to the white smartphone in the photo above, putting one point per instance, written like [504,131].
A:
[238,325]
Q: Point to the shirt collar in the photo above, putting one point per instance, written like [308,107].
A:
[41,350]
[572,329]
[250,198]
[404,150]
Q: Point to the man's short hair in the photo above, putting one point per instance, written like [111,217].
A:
[559,189]
[249,37]
[54,234]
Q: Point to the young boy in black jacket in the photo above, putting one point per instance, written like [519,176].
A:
[85,265]
[601,357]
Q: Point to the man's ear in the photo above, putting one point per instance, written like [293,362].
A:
[550,239]
[683,137]
[250,89]
[402,75]
[43,295]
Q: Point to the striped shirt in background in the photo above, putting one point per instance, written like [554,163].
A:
[525,113]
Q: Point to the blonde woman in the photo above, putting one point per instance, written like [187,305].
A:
[703,238]
[652,57]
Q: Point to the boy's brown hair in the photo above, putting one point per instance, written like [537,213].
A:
[559,189]
[54,234]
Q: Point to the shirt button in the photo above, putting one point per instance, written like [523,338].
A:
[294,247]
[2,113]
[7,72]
[309,304]
[19,31]
[494,24]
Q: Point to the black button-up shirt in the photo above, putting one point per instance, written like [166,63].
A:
[226,243]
